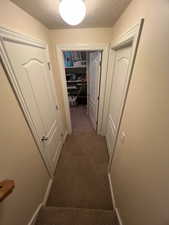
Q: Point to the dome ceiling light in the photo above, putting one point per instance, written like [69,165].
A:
[72,11]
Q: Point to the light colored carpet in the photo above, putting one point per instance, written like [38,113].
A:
[80,193]
[80,120]
[81,174]
[72,216]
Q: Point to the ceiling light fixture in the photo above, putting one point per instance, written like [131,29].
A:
[72,11]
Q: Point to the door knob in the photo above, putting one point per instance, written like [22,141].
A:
[44,138]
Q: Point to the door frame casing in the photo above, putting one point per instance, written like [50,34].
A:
[131,37]
[9,35]
[84,47]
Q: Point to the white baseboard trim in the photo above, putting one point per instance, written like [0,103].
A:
[51,180]
[59,149]
[108,146]
[118,216]
[65,136]
[47,192]
[46,195]
[112,192]
[34,217]
[61,146]
[114,201]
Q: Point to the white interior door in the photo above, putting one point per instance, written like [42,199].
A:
[118,91]
[94,73]
[34,79]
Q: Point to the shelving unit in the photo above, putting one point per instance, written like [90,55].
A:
[75,68]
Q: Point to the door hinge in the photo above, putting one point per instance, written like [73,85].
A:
[96,122]
[98,98]
[49,66]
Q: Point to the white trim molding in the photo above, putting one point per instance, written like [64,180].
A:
[111,191]
[35,215]
[114,200]
[84,47]
[8,35]
[46,195]
[59,149]
[47,192]
[131,37]
[118,216]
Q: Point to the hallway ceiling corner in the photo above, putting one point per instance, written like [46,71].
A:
[100,13]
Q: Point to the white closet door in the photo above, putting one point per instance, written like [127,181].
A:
[30,66]
[94,82]
[118,92]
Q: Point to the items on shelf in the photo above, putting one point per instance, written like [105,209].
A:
[74,59]
[75,67]
[68,59]
[72,100]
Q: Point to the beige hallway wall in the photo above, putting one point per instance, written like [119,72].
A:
[81,36]
[74,36]
[32,176]
[14,18]
[141,165]
[19,156]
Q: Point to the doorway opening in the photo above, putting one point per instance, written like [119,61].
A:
[82,74]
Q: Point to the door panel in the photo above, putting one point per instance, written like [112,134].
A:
[34,80]
[41,93]
[118,92]
[94,82]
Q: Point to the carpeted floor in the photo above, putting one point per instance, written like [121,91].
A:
[80,192]
[80,120]
[81,174]
[71,216]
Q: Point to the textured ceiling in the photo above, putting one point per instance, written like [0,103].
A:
[100,13]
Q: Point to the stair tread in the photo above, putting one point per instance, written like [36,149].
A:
[75,216]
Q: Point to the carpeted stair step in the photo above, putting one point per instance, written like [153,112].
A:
[75,216]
